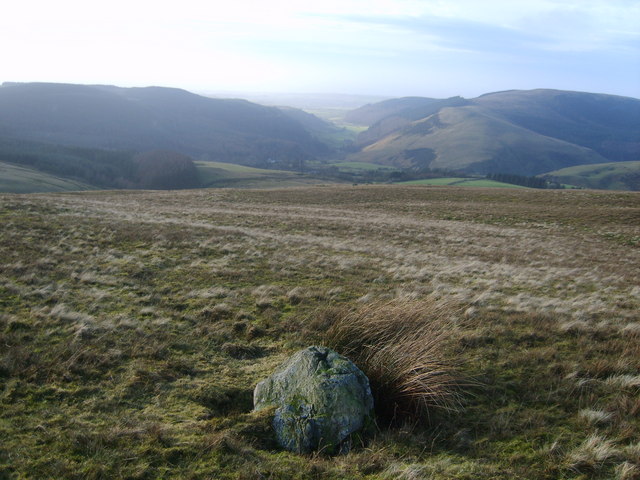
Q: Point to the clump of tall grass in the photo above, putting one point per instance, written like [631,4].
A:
[403,347]
[627,471]
[592,454]
[595,417]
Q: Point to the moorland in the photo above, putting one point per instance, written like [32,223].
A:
[134,326]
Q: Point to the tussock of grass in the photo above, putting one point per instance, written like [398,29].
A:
[595,452]
[627,471]
[401,346]
[595,417]
[624,381]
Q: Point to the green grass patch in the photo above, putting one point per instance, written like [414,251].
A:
[463,182]
[16,179]
[606,176]
[362,167]
[218,174]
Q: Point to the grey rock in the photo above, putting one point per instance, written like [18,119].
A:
[322,398]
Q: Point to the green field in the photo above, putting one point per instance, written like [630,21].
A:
[218,174]
[356,167]
[605,176]
[336,116]
[134,326]
[461,182]
[16,179]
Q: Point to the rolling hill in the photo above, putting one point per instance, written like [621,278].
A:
[521,132]
[603,176]
[372,113]
[30,167]
[155,118]
[93,168]
[17,179]
[461,182]
[109,137]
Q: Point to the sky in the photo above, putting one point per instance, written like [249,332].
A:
[432,48]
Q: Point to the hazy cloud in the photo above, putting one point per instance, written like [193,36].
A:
[375,46]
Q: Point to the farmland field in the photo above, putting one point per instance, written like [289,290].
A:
[135,325]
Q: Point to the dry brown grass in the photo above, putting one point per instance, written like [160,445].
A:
[166,308]
[593,454]
[402,346]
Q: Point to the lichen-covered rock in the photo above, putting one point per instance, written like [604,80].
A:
[322,398]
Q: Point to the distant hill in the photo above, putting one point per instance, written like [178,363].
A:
[521,132]
[155,118]
[328,133]
[603,176]
[408,110]
[374,112]
[607,124]
[304,101]
[97,136]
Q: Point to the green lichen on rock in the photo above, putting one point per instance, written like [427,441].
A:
[322,399]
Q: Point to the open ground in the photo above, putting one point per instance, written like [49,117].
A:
[135,325]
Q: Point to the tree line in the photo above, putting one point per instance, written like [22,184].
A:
[104,168]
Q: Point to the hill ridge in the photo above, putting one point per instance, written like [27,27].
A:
[147,118]
[548,129]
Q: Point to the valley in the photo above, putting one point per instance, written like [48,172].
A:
[98,136]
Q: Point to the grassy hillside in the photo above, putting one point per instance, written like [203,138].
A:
[100,168]
[607,124]
[216,174]
[461,182]
[16,179]
[39,167]
[135,325]
[155,118]
[468,139]
[519,132]
[412,110]
[374,112]
[605,176]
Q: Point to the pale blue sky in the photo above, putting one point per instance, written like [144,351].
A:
[395,48]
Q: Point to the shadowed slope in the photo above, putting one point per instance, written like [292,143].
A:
[153,118]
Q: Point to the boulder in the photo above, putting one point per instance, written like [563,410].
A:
[322,398]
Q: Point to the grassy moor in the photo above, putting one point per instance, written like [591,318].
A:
[500,329]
